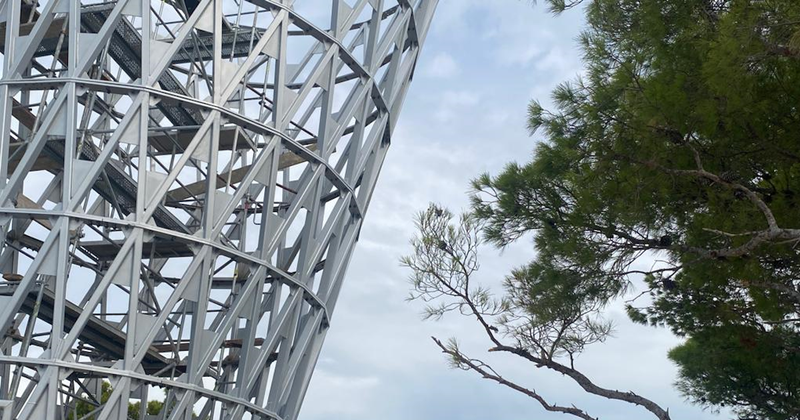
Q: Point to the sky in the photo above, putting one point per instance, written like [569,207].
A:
[483,62]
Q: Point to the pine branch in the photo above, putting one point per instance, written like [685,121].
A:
[587,384]
[488,373]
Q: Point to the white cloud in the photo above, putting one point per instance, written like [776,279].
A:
[460,98]
[560,61]
[345,392]
[453,103]
[442,66]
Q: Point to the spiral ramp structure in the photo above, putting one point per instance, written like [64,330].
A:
[183,185]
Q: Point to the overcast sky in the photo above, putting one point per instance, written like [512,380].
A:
[484,60]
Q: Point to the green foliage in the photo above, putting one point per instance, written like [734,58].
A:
[739,363]
[153,408]
[679,145]
[444,258]
[550,312]
[83,408]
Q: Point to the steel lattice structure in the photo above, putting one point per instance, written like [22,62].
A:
[183,183]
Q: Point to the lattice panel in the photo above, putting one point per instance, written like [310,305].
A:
[185,181]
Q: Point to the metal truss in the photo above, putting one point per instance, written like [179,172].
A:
[183,183]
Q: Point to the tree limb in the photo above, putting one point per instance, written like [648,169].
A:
[488,373]
[587,384]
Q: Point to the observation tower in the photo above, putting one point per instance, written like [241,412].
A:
[182,184]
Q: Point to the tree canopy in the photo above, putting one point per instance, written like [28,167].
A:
[678,150]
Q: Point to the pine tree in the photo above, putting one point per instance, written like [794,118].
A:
[681,144]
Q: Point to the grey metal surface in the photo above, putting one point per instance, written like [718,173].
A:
[182,184]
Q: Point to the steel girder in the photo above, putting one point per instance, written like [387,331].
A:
[183,183]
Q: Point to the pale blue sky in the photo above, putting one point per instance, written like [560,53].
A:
[483,62]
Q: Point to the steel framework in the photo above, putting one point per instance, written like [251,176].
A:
[183,183]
